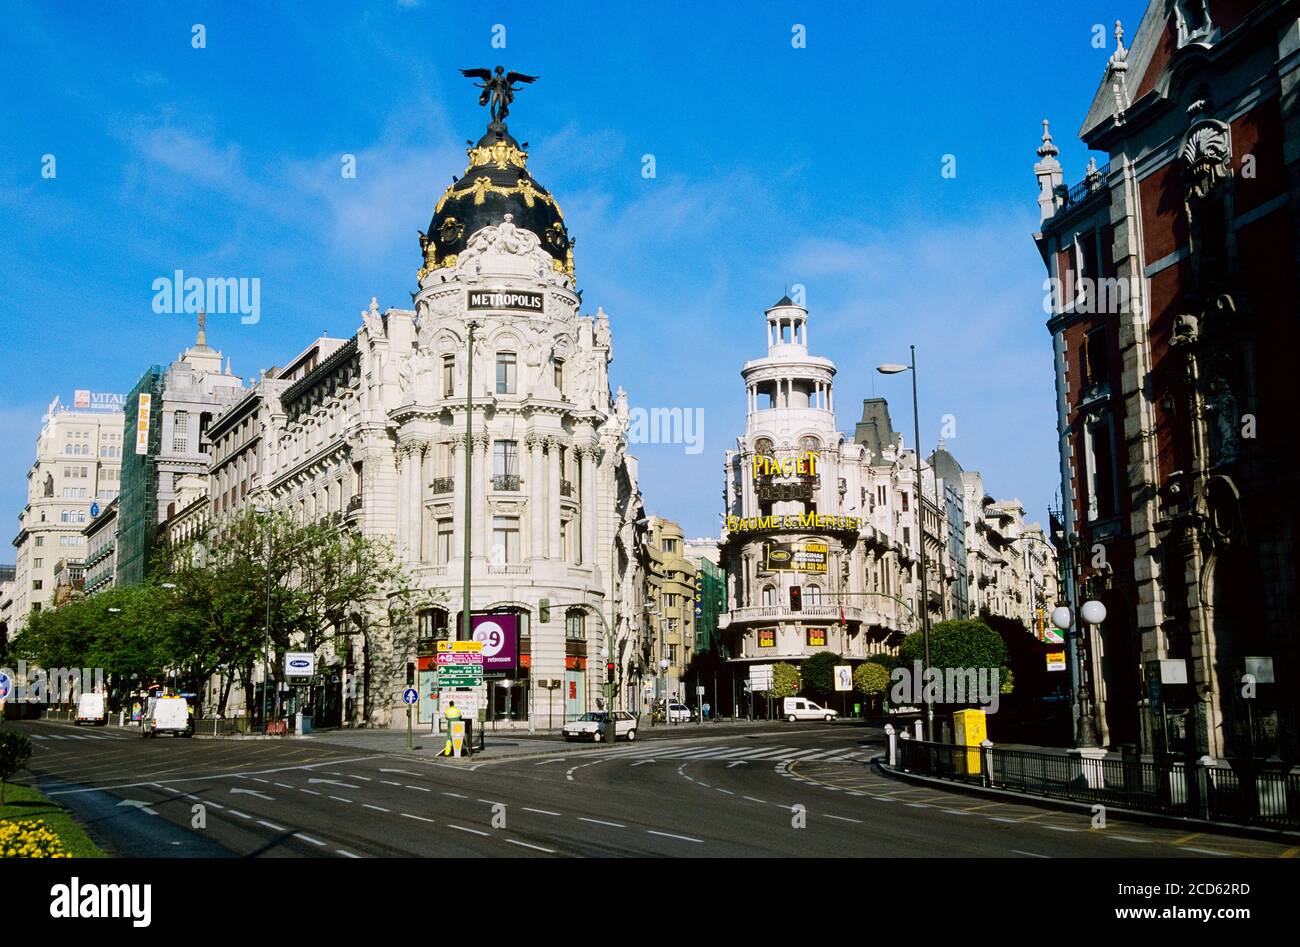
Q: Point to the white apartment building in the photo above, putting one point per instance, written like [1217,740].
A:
[77,468]
[819,545]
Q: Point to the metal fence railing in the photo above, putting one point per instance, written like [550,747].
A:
[1245,791]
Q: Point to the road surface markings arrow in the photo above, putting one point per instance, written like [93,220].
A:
[137,804]
[252,792]
[333,782]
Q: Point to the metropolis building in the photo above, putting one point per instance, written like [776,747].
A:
[374,433]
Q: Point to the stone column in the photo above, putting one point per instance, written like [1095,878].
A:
[420,457]
[588,500]
[482,519]
[403,457]
[458,496]
[536,498]
[555,550]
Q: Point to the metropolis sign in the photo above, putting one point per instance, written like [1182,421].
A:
[498,299]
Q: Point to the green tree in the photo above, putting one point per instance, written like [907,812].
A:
[15,751]
[785,680]
[870,679]
[960,644]
[818,673]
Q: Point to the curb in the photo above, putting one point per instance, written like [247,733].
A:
[1046,802]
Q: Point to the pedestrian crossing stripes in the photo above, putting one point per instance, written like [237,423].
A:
[776,754]
[79,736]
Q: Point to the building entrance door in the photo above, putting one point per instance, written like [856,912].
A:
[575,694]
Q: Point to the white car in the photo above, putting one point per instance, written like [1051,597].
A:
[679,713]
[592,726]
[800,708]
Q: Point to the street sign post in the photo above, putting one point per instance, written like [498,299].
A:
[409,697]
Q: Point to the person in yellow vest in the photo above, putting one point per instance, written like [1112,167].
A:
[452,712]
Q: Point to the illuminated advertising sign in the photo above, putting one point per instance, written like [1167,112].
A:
[142,424]
[767,637]
[796,557]
[801,465]
[84,399]
[816,637]
[809,521]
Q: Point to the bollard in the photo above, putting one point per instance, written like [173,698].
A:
[917,727]
[986,751]
[892,736]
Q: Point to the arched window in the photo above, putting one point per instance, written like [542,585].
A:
[575,623]
[769,595]
[812,594]
[809,442]
[764,446]
[432,623]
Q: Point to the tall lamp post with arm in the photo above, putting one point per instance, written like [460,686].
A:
[894,369]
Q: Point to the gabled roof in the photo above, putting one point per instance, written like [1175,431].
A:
[1147,40]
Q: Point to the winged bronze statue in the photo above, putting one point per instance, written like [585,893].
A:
[498,87]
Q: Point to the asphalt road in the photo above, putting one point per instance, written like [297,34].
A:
[787,790]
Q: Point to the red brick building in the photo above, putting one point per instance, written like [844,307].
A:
[1172,294]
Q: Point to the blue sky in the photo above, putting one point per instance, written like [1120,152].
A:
[775,166]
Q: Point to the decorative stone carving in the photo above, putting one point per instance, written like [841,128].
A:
[373,321]
[1204,156]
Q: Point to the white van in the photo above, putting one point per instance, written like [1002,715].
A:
[166,715]
[800,708]
[92,709]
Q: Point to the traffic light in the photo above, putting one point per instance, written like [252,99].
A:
[410,673]
[544,610]
[796,598]
[609,670]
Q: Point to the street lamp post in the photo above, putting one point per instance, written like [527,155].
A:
[892,369]
[1092,613]
[663,677]
[266,644]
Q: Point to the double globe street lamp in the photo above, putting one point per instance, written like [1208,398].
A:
[1092,613]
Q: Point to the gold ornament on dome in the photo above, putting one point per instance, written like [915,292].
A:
[502,154]
[431,265]
[483,186]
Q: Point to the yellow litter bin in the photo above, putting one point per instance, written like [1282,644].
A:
[969,730]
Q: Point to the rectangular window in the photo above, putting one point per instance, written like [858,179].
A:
[1094,357]
[559,374]
[505,540]
[448,375]
[905,502]
[40,540]
[180,431]
[38,563]
[505,373]
[443,549]
[573,625]
[505,459]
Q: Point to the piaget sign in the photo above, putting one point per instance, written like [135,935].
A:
[799,466]
[811,521]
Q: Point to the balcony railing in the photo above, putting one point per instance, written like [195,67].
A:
[815,612]
[505,482]
[442,485]
[566,488]
[354,504]
[1092,184]
[507,569]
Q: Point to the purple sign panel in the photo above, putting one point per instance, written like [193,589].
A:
[500,637]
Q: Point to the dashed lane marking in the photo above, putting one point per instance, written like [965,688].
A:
[345,853]
[461,828]
[407,815]
[539,811]
[366,805]
[684,838]
[340,799]
[272,826]
[1030,854]
[549,851]
[308,838]
[616,825]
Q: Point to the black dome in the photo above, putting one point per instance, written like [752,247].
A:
[495,184]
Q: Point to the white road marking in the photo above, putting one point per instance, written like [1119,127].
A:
[539,848]
[346,854]
[420,788]
[308,838]
[684,838]
[539,811]
[1205,851]
[642,762]
[461,828]
[727,791]
[272,825]
[341,799]
[1127,838]
[950,811]
[333,782]
[545,762]
[617,825]
[1059,828]
[366,805]
[455,795]
[998,818]
[922,805]
[419,817]
[737,763]
[1030,854]
[389,782]
[752,799]
[284,785]
[404,772]
[241,815]
[843,818]
[310,792]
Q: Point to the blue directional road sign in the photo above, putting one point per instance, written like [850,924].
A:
[410,696]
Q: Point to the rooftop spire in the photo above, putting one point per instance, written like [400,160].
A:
[1048,148]
[201,340]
